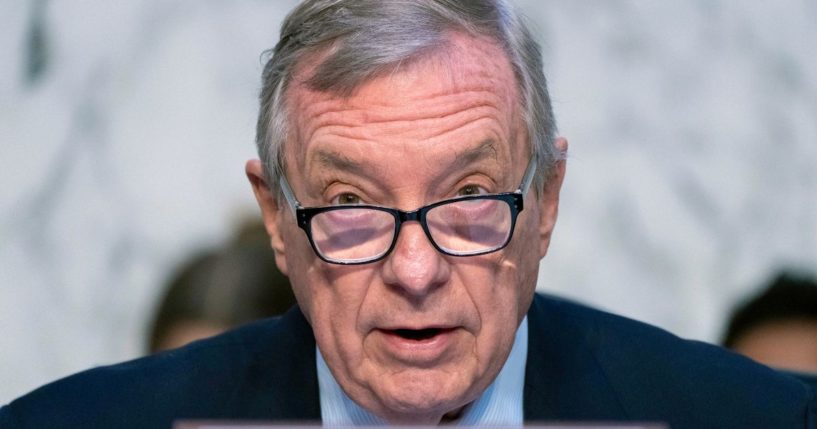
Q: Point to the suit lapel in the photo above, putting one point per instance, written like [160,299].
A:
[282,378]
[563,379]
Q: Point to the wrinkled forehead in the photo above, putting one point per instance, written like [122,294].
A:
[463,64]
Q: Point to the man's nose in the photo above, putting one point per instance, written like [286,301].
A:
[415,267]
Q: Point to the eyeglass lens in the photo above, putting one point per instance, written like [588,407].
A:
[353,234]
[470,226]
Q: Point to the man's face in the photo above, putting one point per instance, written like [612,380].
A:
[418,334]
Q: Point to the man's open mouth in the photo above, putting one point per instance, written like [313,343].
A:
[418,334]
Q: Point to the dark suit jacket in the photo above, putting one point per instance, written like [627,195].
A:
[583,364]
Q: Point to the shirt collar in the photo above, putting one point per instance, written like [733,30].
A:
[499,404]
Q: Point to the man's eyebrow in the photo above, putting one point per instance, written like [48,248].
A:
[486,149]
[329,160]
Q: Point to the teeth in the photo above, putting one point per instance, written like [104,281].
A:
[417,334]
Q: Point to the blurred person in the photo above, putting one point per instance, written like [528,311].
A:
[409,178]
[219,289]
[778,326]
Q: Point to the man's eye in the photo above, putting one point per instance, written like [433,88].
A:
[347,198]
[470,190]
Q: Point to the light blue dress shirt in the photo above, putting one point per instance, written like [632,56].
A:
[499,405]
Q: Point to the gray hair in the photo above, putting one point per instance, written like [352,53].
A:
[372,37]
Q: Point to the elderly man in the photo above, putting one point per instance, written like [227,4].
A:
[409,180]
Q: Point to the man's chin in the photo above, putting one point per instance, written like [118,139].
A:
[408,412]
[423,397]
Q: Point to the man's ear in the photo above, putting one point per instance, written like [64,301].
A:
[270,210]
[549,201]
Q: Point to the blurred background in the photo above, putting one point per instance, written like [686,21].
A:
[124,128]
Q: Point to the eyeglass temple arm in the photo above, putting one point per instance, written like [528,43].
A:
[527,179]
[288,195]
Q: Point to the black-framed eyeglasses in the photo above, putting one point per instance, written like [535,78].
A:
[360,233]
